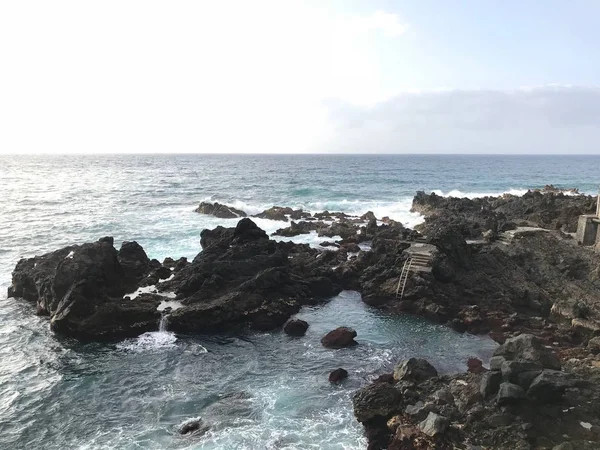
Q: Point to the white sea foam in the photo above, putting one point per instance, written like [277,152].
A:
[168,278]
[461,194]
[149,290]
[153,340]
[397,210]
[173,304]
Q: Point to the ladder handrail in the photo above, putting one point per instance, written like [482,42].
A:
[406,278]
[402,274]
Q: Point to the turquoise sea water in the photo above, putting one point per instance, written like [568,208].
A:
[263,391]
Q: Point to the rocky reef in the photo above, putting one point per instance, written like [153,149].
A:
[504,266]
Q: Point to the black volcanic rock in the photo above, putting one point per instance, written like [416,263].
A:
[296,327]
[134,262]
[278,213]
[220,211]
[81,288]
[550,209]
[242,276]
[338,375]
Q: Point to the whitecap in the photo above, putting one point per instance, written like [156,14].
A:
[153,340]
[173,304]
[149,290]
[461,194]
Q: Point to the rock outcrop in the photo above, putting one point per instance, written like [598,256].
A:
[219,210]
[240,277]
[81,288]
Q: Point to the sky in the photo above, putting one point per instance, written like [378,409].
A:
[285,76]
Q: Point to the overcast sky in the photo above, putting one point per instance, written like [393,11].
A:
[275,76]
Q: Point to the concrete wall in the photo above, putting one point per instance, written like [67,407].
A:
[587,230]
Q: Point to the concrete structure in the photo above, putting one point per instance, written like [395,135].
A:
[587,229]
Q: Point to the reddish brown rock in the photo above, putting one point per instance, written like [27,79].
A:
[339,338]
[475,365]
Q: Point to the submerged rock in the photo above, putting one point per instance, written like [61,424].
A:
[339,338]
[338,375]
[193,426]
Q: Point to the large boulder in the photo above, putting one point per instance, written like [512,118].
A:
[520,372]
[379,400]
[339,338]
[434,424]
[81,288]
[549,386]
[414,369]
[527,347]
[220,211]
[490,383]
[509,394]
[296,327]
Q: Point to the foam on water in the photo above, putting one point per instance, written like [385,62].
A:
[173,304]
[460,194]
[150,290]
[150,341]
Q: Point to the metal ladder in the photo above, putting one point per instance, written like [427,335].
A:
[404,276]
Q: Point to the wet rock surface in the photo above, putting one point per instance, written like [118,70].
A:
[339,338]
[81,288]
[338,375]
[296,327]
[220,211]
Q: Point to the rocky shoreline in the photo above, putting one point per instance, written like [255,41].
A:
[507,266]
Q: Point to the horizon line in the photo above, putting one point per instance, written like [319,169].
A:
[291,154]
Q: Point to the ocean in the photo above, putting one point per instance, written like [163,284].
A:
[257,390]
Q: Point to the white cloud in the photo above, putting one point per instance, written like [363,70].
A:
[547,119]
[185,76]
[388,23]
